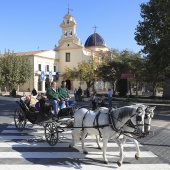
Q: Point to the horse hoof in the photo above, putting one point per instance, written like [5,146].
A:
[105,162]
[70,146]
[118,163]
[136,157]
[85,152]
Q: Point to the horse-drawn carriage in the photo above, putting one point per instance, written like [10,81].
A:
[105,123]
[44,117]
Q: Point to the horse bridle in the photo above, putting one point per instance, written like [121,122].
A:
[147,114]
[138,119]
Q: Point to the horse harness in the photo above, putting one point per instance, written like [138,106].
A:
[112,123]
[130,124]
[147,116]
[96,119]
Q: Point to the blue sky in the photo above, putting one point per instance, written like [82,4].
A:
[29,24]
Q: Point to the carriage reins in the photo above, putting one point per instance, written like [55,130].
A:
[112,124]
[128,123]
[136,134]
[146,116]
[84,118]
[97,122]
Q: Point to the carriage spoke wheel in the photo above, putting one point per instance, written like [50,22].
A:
[19,119]
[51,134]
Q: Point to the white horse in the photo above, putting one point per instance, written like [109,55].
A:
[120,116]
[149,114]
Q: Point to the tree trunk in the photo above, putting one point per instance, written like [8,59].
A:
[114,87]
[154,89]
[93,85]
[88,84]
[136,89]
[130,88]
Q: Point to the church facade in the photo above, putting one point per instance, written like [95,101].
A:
[48,65]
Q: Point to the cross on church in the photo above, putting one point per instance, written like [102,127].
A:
[69,9]
[95,28]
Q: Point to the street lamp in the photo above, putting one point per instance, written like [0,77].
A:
[93,84]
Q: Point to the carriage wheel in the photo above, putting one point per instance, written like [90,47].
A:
[51,134]
[19,119]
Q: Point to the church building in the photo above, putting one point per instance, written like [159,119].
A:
[48,65]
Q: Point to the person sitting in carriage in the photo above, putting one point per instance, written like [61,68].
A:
[54,97]
[64,94]
[32,103]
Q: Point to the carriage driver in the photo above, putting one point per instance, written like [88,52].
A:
[64,94]
[54,96]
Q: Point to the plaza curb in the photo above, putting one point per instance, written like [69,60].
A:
[141,100]
[11,99]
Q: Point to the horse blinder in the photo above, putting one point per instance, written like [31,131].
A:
[138,118]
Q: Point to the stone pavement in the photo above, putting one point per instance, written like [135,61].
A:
[158,143]
[29,150]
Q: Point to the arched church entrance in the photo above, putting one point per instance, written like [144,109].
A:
[47,82]
[68,84]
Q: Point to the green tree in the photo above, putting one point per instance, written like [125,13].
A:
[136,66]
[153,34]
[85,72]
[111,68]
[16,70]
[111,72]
[121,62]
[2,80]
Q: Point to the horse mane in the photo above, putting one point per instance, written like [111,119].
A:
[123,112]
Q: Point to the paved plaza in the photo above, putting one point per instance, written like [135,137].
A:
[29,150]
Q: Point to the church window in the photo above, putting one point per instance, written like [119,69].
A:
[67,57]
[68,45]
[70,32]
[65,33]
[39,67]
[47,67]
[67,21]
[54,68]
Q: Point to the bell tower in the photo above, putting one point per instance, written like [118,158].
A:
[69,30]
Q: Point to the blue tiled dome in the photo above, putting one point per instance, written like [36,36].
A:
[95,40]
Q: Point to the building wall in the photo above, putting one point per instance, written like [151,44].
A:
[48,59]
[45,58]
[77,55]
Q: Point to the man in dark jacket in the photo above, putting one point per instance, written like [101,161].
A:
[54,96]
[79,93]
[34,92]
[64,94]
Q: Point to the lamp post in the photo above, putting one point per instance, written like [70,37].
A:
[93,84]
